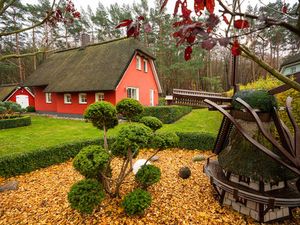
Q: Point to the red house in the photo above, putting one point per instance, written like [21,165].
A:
[18,94]
[69,80]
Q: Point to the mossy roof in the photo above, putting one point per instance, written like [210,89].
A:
[95,67]
[5,91]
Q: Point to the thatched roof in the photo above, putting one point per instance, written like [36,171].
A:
[95,67]
[6,90]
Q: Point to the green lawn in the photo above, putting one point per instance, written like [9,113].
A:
[45,131]
[200,120]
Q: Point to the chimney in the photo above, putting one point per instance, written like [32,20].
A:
[85,39]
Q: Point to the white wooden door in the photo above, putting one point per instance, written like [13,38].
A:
[23,100]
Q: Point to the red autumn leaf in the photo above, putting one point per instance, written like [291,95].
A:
[210,6]
[198,6]
[235,49]
[178,2]
[241,24]
[187,53]
[141,18]
[225,19]
[185,11]
[284,8]
[124,23]
[209,29]
[191,39]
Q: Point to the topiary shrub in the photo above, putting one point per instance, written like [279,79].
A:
[103,115]
[136,202]
[257,99]
[85,195]
[170,140]
[131,137]
[129,108]
[152,122]
[148,175]
[91,160]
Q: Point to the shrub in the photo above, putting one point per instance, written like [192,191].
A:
[15,164]
[136,202]
[129,108]
[165,140]
[133,137]
[162,101]
[196,140]
[152,122]
[148,175]
[85,195]
[91,160]
[15,122]
[30,109]
[258,99]
[102,115]
[167,114]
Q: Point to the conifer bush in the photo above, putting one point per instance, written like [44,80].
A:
[152,122]
[136,202]
[129,108]
[148,175]
[85,195]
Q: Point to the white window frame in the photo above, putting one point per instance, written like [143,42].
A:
[138,62]
[66,98]
[99,96]
[48,97]
[145,66]
[80,98]
[152,97]
[133,96]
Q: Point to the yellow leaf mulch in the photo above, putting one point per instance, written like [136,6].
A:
[42,197]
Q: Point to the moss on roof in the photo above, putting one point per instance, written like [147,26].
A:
[243,158]
[291,59]
[5,91]
[95,67]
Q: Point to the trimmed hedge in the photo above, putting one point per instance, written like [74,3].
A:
[167,114]
[15,122]
[15,164]
[196,140]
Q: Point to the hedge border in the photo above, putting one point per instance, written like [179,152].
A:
[19,163]
[15,122]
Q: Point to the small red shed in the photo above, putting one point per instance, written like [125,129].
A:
[70,80]
[19,94]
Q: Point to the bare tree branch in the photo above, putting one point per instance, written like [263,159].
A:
[15,56]
[3,7]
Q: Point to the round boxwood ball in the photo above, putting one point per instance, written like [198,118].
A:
[185,172]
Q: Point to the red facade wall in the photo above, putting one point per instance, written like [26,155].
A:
[138,79]
[22,91]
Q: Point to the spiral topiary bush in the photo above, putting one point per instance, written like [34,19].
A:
[85,195]
[148,175]
[136,202]
[91,160]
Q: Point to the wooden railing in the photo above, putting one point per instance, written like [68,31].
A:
[196,98]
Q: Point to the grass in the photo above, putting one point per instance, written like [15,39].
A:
[200,120]
[46,132]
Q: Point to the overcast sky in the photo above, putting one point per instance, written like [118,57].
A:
[171,3]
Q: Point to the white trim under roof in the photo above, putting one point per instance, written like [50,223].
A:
[16,89]
[155,76]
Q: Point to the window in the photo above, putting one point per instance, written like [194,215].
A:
[138,63]
[82,98]
[133,93]
[145,66]
[67,99]
[293,69]
[99,97]
[48,98]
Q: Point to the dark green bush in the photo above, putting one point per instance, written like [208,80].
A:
[196,140]
[164,140]
[131,137]
[15,164]
[15,122]
[152,122]
[136,202]
[167,114]
[30,109]
[91,160]
[85,195]
[257,99]
[129,108]
[148,175]
[102,114]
